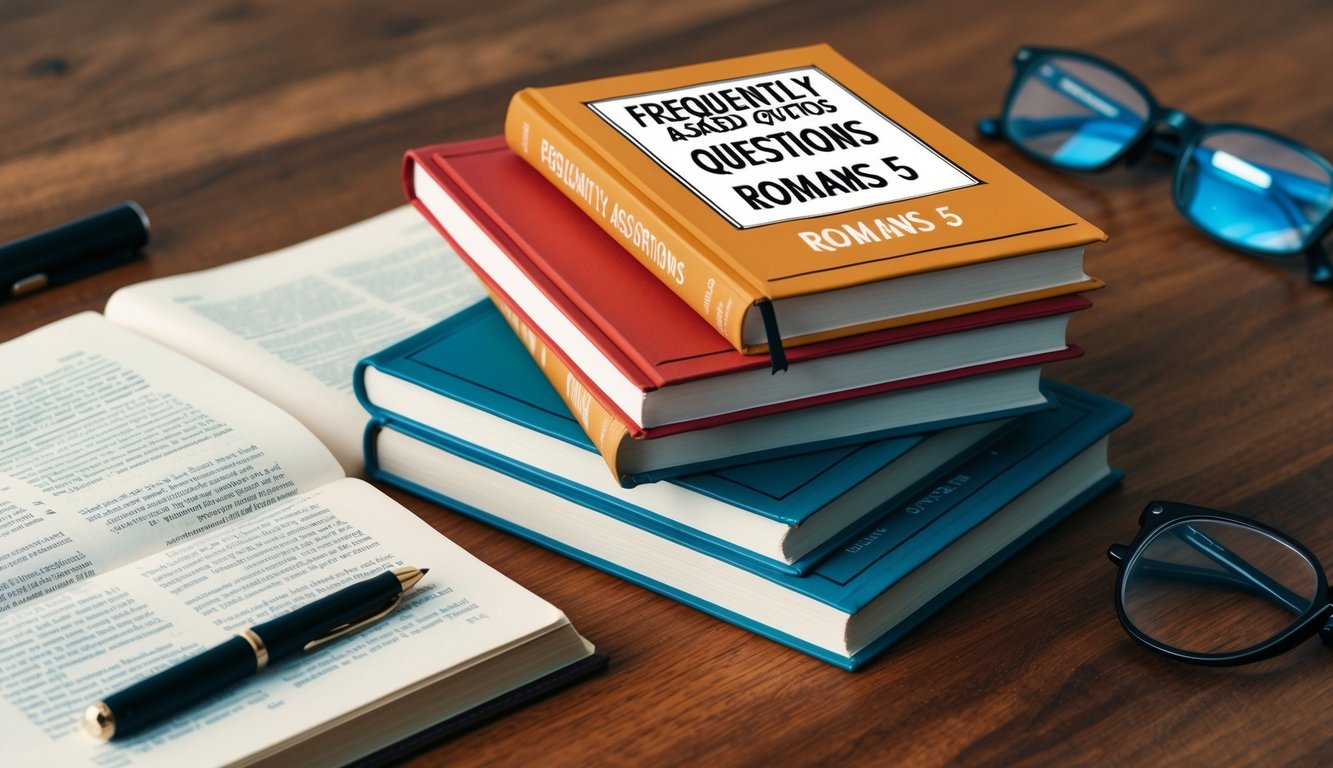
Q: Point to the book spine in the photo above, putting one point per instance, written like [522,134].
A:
[600,425]
[678,260]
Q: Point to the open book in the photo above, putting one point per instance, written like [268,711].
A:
[291,325]
[150,508]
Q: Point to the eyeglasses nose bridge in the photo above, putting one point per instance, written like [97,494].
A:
[1177,129]
[1180,122]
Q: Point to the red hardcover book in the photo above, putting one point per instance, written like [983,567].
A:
[649,358]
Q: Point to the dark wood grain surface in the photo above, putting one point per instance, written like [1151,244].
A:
[245,126]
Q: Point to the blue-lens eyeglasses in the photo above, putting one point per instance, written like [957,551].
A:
[1249,188]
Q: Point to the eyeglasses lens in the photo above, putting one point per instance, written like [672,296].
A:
[1074,113]
[1212,587]
[1254,191]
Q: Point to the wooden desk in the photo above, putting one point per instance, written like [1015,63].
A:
[245,126]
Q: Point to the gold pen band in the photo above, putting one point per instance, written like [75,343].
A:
[257,645]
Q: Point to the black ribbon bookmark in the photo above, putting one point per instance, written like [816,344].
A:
[776,355]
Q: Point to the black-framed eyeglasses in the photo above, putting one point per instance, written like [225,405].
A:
[1214,588]
[1249,188]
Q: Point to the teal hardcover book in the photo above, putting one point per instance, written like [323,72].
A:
[916,553]
[783,513]
[448,372]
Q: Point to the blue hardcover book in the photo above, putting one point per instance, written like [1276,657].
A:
[448,373]
[883,579]
[783,513]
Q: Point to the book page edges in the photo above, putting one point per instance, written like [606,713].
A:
[1088,284]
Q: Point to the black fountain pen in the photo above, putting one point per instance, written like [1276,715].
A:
[304,629]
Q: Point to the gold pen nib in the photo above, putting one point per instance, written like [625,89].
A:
[409,576]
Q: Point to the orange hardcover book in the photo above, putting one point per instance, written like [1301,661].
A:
[790,197]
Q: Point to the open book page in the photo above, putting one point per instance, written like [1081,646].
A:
[113,447]
[64,651]
[292,324]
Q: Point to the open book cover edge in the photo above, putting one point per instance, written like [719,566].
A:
[486,712]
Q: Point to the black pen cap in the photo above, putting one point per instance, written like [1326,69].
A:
[71,249]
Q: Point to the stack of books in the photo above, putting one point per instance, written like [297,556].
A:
[762,337]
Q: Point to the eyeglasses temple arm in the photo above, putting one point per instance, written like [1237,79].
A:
[1075,89]
[1287,190]
[1080,91]
[1242,569]
[1159,569]
[1293,187]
